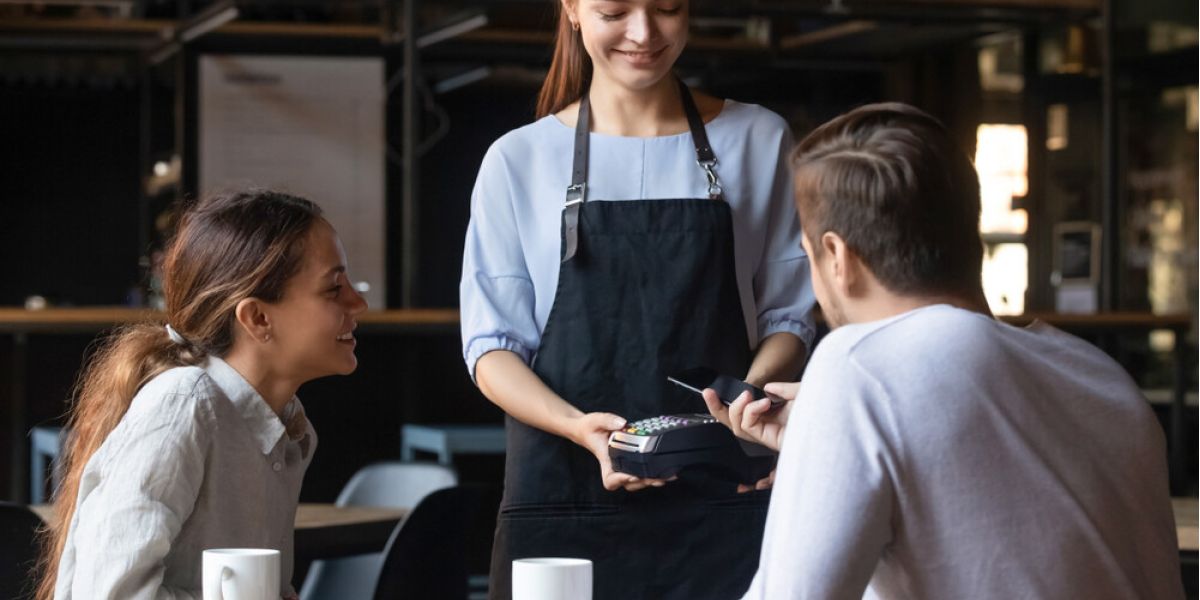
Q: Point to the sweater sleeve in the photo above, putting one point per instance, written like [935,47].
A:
[832,505]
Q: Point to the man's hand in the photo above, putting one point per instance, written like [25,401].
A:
[756,420]
[591,431]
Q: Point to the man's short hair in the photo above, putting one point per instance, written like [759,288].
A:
[890,180]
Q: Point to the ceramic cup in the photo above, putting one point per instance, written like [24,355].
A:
[552,579]
[240,574]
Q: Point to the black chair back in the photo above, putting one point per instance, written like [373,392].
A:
[18,549]
[426,556]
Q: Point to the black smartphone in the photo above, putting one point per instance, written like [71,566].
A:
[728,388]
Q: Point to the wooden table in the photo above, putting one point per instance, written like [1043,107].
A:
[21,323]
[1186,524]
[326,530]
[329,531]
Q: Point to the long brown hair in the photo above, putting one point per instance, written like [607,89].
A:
[570,68]
[227,248]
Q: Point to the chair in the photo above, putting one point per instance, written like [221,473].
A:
[447,440]
[426,556]
[18,549]
[386,484]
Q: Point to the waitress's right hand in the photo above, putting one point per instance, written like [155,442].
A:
[591,431]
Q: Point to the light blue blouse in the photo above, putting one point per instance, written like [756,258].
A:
[513,243]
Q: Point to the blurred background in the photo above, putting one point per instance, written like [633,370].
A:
[1081,116]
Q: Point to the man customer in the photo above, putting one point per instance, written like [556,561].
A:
[932,451]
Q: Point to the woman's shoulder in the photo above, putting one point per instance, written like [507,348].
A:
[755,119]
[174,393]
[182,380]
[172,411]
[525,141]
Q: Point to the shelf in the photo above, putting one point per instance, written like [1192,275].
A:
[97,319]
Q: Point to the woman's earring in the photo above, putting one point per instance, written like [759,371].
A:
[266,338]
[574,26]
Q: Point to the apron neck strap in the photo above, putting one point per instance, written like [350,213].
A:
[577,191]
[704,154]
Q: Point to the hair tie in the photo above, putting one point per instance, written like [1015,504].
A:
[179,340]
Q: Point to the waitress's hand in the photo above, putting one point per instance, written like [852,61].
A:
[591,431]
[756,420]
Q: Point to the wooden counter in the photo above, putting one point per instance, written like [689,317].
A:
[97,319]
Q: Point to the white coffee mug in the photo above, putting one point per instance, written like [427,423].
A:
[240,574]
[552,579]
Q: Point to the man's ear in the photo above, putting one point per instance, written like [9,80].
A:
[843,262]
[253,320]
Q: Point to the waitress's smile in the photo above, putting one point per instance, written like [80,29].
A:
[641,58]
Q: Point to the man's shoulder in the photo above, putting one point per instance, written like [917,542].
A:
[908,352]
[858,339]
[938,348]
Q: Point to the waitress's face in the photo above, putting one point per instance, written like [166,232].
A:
[633,43]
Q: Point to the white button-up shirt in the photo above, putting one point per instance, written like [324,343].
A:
[199,461]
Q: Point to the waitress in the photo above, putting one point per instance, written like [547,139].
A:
[635,229]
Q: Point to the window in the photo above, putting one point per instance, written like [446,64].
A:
[1001,159]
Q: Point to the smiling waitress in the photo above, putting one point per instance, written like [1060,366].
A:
[635,229]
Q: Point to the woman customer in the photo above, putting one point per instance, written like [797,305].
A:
[189,436]
[636,229]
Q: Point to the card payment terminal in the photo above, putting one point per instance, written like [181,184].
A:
[660,447]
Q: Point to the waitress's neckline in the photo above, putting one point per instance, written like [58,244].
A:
[725,104]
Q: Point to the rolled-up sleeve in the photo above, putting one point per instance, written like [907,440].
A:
[130,513]
[782,285]
[496,294]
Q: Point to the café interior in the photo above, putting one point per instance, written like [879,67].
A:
[1080,117]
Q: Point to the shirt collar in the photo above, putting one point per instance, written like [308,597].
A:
[260,420]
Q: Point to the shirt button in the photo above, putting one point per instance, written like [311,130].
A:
[277,467]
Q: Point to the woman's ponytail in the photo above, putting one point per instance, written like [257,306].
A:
[121,365]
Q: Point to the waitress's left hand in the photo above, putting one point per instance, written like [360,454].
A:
[591,431]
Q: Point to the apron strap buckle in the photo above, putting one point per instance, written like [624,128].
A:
[576,193]
[714,184]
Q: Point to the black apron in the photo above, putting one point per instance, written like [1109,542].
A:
[646,288]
